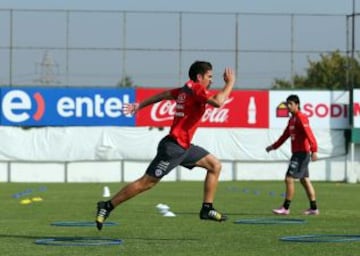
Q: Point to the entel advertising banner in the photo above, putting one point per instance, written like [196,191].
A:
[242,109]
[39,106]
[65,106]
[325,109]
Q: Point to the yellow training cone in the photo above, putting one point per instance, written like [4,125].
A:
[25,201]
[37,199]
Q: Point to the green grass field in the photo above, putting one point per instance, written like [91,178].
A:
[144,231]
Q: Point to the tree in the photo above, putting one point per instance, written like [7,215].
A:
[330,72]
[125,82]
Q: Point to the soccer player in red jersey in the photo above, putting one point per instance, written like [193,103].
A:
[176,148]
[303,148]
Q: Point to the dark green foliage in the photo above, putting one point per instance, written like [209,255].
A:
[333,71]
[125,82]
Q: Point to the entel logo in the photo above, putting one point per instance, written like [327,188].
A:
[17,103]
[97,106]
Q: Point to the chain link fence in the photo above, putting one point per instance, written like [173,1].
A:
[155,49]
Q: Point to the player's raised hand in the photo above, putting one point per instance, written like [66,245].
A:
[229,75]
[130,108]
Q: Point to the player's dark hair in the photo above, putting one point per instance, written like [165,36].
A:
[293,98]
[199,67]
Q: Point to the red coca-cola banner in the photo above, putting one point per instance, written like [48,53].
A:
[241,109]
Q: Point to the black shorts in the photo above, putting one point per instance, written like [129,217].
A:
[299,165]
[170,154]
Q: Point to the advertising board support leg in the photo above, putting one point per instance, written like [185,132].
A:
[351,176]
[8,165]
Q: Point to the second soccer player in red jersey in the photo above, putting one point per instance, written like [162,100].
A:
[176,148]
[303,148]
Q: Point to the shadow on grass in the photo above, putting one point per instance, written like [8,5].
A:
[82,237]
[231,213]
[161,239]
[39,237]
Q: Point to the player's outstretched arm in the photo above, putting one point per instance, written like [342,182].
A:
[218,99]
[132,108]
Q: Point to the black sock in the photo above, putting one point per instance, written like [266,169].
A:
[109,206]
[313,205]
[207,206]
[287,204]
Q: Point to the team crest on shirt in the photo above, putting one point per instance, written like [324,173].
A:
[180,105]
[181,98]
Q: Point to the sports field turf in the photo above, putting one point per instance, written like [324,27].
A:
[145,231]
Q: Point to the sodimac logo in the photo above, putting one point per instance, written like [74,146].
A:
[18,106]
[282,110]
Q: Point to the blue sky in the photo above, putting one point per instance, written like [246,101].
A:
[286,6]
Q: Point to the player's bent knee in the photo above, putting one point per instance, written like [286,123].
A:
[216,167]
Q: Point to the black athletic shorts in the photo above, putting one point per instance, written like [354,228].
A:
[170,154]
[299,165]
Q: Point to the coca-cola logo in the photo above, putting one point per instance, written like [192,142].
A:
[165,111]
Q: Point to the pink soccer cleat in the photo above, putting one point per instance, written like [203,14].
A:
[281,211]
[312,212]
